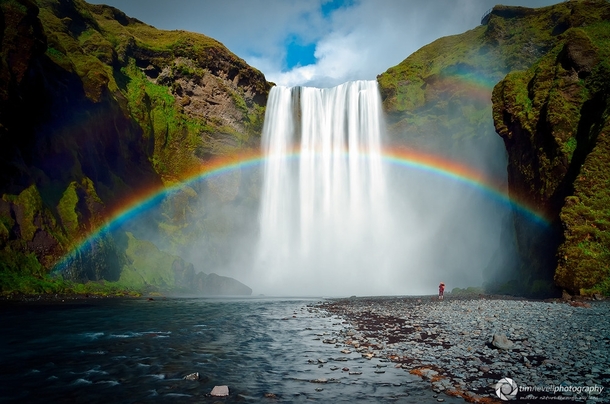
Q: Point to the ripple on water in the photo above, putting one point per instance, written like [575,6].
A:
[108,382]
[92,335]
[95,371]
[81,381]
[243,345]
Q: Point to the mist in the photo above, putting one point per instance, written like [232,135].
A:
[413,229]
[416,230]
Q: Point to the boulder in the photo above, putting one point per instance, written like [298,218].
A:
[220,391]
[500,341]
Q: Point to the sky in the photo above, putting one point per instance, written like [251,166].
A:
[317,43]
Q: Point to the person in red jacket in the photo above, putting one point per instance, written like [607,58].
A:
[441,291]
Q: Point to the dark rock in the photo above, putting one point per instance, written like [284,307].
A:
[191,376]
[213,284]
[578,53]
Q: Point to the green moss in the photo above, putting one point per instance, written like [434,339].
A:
[176,136]
[584,255]
[15,5]
[148,265]
[67,209]
[471,290]
[256,120]
[20,263]
[570,146]
[29,199]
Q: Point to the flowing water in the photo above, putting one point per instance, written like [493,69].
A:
[323,207]
[135,350]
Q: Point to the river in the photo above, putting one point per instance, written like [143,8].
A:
[140,350]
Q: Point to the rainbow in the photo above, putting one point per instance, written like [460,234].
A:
[402,157]
[465,83]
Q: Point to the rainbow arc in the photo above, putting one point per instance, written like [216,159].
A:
[401,157]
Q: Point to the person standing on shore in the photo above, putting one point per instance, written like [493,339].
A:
[441,291]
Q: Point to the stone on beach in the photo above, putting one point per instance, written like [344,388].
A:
[501,341]
[220,391]
[454,348]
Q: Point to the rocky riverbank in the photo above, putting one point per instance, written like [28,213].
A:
[553,351]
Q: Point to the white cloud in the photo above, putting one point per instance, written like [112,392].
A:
[371,36]
[356,42]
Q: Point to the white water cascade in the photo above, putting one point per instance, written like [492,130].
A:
[323,208]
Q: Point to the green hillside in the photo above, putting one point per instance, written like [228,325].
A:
[95,107]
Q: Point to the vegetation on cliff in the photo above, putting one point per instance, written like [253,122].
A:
[553,118]
[95,106]
[443,91]
[440,98]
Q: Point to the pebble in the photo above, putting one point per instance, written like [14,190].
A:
[451,342]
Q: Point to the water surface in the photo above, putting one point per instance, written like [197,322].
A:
[135,350]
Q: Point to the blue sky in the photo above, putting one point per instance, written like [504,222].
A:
[317,42]
[298,53]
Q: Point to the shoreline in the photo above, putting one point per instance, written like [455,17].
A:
[555,350]
[58,298]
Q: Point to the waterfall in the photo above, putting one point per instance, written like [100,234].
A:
[323,204]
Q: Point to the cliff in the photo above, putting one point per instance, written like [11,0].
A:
[96,106]
[553,118]
[440,99]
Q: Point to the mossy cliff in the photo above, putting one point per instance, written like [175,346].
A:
[441,94]
[96,106]
[553,118]
[550,111]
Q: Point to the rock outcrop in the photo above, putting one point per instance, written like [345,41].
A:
[553,119]
[95,107]
[550,111]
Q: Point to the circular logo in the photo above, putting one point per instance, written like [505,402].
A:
[506,389]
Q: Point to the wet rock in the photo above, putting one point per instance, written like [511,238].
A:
[220,391]
[192,376]
[453,338]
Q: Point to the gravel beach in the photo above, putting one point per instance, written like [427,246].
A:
[552,350]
